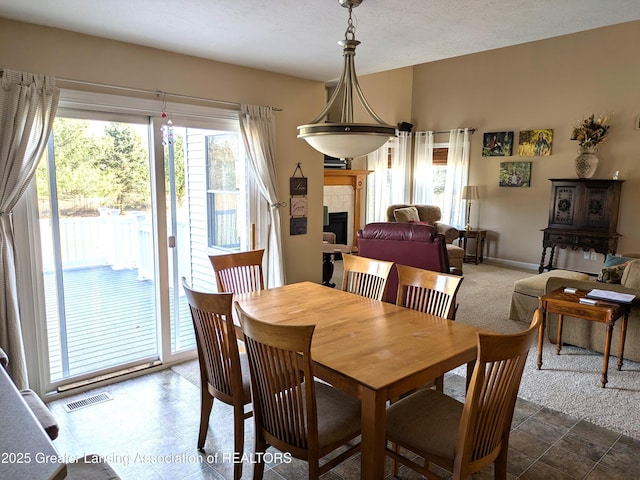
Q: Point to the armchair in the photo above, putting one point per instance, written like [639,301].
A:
[414,245]
[431,214]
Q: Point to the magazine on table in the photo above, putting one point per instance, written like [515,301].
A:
[611,296]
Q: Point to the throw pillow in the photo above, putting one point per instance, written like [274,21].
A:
[613,260]
[631,275]
[612,274]
[419,223]
[406,215]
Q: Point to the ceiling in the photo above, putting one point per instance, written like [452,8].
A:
[298,37]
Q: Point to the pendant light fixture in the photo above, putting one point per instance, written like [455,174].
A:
[347,139]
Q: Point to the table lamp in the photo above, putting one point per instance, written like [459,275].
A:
[469,193]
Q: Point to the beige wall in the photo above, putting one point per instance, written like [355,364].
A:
[81,57]
[546,84]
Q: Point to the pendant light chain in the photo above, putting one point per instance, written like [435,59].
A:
[350,33]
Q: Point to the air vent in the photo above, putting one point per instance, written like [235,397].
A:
[88,401]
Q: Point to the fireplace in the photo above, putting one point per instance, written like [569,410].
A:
[355,179]
[338,222]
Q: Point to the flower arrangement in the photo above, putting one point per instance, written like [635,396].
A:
[591,131]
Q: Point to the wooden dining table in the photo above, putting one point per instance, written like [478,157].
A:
[373,350]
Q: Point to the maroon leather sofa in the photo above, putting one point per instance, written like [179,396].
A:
[412,244]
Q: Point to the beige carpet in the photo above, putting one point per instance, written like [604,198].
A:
[569,383]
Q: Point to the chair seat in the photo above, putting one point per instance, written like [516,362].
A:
[426,411]
[340,414]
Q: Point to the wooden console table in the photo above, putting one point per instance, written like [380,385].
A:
[564,303]
[555,237]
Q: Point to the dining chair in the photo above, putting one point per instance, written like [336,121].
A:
[365,276]
[463,438]
[224,371]
[239,272]
[428,292]
[293,412]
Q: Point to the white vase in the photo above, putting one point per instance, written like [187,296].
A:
[586,162]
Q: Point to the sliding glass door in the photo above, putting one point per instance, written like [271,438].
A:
[128,205]
[97,242]
[206,211]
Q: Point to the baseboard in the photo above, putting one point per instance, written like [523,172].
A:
[512,263]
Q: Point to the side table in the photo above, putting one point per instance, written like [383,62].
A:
[564,303]
[328,252]
[463,237]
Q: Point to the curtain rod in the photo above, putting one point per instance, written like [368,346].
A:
[158,93]
[471,131]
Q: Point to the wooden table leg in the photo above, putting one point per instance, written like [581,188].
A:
[373,455]
[559,344]
[607,350]
[541,339]
[623,334]
[470,367]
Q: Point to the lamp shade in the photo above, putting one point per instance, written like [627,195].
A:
[342,140]
[347,139]
[470,192]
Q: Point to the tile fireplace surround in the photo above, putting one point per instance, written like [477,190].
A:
[342,193]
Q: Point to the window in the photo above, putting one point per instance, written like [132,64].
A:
[225,178]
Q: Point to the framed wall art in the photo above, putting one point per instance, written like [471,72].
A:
[497,144]
[298,225]
[515,174]
[298,206]
[298,186]
[535,143]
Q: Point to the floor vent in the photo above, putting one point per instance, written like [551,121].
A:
[87,402]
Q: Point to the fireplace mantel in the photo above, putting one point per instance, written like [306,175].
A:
[355,178]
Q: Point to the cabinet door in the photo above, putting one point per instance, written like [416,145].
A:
[596,213]
[563,205]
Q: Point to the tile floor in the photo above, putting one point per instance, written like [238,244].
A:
[149,431]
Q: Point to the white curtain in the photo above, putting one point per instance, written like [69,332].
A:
[389,182]
[28,104]
[423,169]
[257,125]
[457,175]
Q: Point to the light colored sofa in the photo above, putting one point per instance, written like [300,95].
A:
[524,299]
[431,214]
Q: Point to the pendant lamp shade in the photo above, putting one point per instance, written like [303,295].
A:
[346,139]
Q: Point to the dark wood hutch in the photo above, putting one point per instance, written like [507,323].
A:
[583,213]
